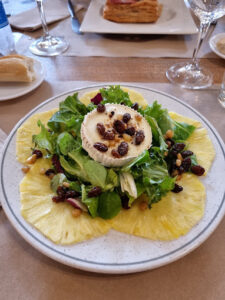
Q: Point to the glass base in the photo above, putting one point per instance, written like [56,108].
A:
[189,76]
[49,46]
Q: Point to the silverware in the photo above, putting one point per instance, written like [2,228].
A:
[74,20]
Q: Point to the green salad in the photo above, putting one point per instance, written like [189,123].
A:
[92,187]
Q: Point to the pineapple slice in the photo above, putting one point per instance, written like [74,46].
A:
[168,219]
[200,143]
[179,118]
[25,132]
[54,220]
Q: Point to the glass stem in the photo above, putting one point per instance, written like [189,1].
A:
[43,19]
[202,33]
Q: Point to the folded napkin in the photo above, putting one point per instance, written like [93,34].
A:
[30,19]
[2,139]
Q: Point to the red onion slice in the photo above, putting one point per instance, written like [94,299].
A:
[77,204]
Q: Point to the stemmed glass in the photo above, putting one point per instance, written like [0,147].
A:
[190,75]
[47,45]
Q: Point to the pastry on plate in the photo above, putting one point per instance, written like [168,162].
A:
[132,11]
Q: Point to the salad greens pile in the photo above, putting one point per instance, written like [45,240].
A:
[149,172]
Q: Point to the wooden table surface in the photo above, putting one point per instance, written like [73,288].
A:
[25,273]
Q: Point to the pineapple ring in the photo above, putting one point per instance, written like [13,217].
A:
[168,219]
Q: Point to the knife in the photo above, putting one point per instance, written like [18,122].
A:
[74,20]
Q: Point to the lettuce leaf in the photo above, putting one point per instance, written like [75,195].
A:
[44,140]
[114,94]
[109,205]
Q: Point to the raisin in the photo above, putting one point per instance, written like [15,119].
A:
[119,126]
[56,164]
[135,106]
[186,153]
[177,188]
[101,147]
[111,114]
[100,128]
[100,108]
[198,170]
[178,147]
[49,172]
[115,153]
[61,191]
[71,194]
[173,153]
[126,117]
[186,163]
[109,135]
[94,192]
[130,131]
[97,99]
[38,153]
[139,137]
[181,170]
[57,199]
[123,148]
[125,201]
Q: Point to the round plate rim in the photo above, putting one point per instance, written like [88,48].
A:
[213,48]
[106,267]
[32,86]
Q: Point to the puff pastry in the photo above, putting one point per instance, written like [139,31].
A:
[132,11]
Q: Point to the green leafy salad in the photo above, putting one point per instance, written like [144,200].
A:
[92,187]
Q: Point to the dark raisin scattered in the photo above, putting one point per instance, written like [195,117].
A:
[109,135]
[130,131]
[173,153]
[101,147]
[49,172]
[125,201]
[123,148]
[115,153]
[61,191]
[119,126]
[94,192]
[186,163]
[97,99]
[177,188]
[139,137]
[126,117]
[171,141]
[57,199]
[56,164]
[186,153]
[179,147]
[71,194]
[100,108]
[135,106]
[38,153]
[111,114]
[100,128]
[181,170]
[198,170]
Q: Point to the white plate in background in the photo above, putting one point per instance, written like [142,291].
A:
[12,90]
[117,252]
[175,19]
[213,41]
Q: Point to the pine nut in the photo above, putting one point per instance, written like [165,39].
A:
[76,212]
[32,159]
[178,162]
[143,205]
[138,118]
[165,153]
[66,184]
[179,156]
[25,169]
[169,134]
[127,137]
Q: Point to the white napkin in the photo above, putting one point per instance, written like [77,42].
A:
[2,139]
[30,20]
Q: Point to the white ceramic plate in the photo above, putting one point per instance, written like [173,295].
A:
[12,90]
[213,41]
[175,19]
[117,252]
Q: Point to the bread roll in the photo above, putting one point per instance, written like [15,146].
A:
[16,68]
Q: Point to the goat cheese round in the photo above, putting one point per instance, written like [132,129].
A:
[115,134]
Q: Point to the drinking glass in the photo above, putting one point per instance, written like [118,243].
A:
[47,45]
[191,75]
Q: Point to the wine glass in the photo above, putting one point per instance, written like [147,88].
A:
[190,75]
[47,45]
